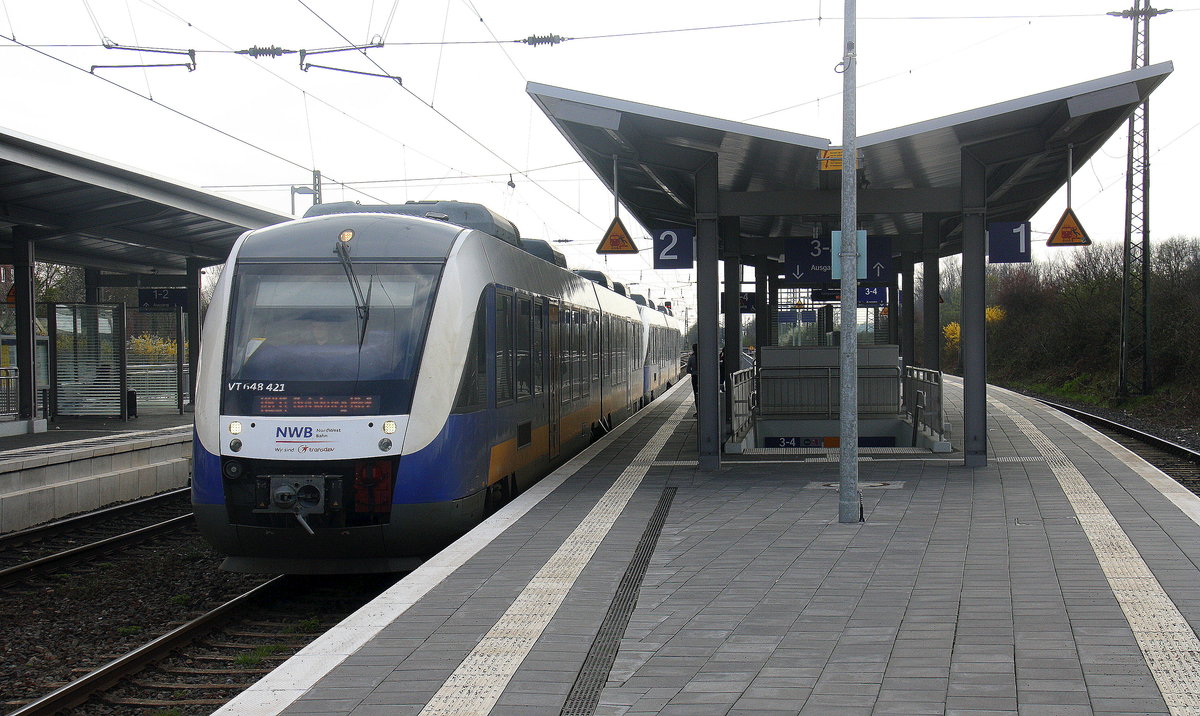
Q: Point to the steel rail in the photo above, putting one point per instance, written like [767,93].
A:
[21,571]
[75,522]
[1153,440]
[83,688]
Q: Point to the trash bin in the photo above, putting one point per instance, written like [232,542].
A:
[131,404]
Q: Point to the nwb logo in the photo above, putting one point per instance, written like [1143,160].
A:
[293,432]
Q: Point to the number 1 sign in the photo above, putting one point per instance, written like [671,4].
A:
[1008,242]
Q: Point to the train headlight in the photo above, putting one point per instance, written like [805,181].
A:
[346,235]
[235,427]
[389,426]
[235,445]
[385,444]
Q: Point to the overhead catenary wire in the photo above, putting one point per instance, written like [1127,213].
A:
[177,112]
[448,120]
[156,4]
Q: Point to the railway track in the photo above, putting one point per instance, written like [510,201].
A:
[1177,461]
[209,660]
[55,545]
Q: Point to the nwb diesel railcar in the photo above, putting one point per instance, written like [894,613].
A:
[372,383]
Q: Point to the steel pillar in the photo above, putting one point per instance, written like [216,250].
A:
[733,331]
[23,294]
[762,312]
[91,285]
[707,235]
[974,298]
[194,268]
[907,322]
[931,280]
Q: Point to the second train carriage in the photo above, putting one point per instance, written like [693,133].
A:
[372,384]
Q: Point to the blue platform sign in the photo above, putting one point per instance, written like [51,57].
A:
[872,295]
[879,258]
[807,260]
[747,303]
[161,299]
[874,257]
[675,248]
[809,316]
[1009,242]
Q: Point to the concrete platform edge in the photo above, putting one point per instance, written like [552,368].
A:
[272,694]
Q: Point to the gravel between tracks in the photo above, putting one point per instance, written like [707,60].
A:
[80,620]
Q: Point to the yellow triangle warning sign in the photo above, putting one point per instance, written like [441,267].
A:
[616,240]
[1069,232]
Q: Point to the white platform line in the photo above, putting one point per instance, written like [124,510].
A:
[478,682]
[1167,641]
[277,690]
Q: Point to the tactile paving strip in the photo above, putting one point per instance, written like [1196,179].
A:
[833,452]
[1167,641]
[478,682]
[585,692]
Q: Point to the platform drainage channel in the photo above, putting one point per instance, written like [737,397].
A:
[585,693]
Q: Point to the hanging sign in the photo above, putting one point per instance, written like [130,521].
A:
[1009,242]
[616,240]
[1068,232]
[674,248]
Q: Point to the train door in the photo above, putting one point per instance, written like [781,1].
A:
[554,392]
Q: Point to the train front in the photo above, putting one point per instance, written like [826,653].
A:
[308,368]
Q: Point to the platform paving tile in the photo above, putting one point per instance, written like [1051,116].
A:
[965,592]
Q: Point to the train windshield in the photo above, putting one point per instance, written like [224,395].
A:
[300,345]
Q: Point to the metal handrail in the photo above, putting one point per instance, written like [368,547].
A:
[923,400]
[742,402]
[9,399]
[814,391]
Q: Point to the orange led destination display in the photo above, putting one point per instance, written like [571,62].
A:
[316,404]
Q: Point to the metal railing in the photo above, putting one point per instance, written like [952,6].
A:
[9,400]
[158,385]
[814,391]
[741,387]
[923,401]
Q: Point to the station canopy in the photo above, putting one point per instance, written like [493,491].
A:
[83,211]
[771,180]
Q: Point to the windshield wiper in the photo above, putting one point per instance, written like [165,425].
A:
[361,302]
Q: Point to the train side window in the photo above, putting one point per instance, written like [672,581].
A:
[585,354]
[539,333]
[472,389]
[524,350]
[504,348]
[594,347]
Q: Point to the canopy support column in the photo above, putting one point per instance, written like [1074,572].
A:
[23,294]
[908,322]
[194,269]
[708,412]
[931,278]
[974,298]
[762,312]
[733,317]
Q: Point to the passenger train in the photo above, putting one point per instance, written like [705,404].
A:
[373,381]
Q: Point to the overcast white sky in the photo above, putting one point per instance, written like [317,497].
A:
[918,60]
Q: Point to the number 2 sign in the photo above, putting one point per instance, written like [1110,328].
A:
[674,248]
